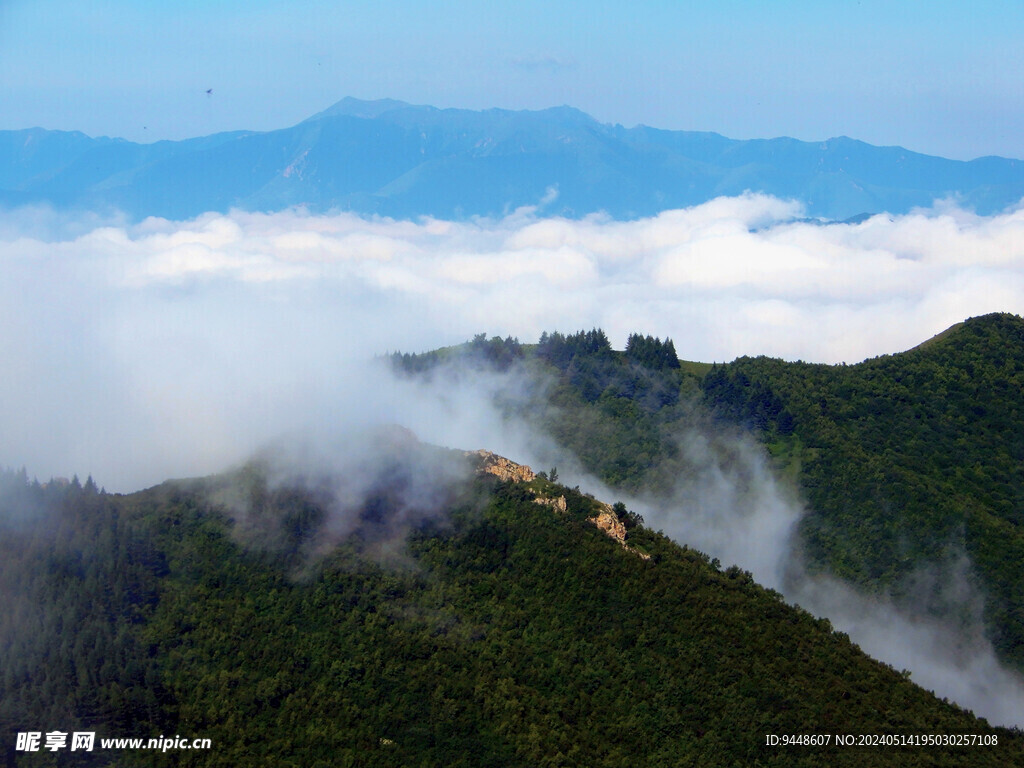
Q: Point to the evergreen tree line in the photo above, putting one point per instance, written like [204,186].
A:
[506,634]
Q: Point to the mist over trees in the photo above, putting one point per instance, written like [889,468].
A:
[908,462]
[651,352]
[505,633]
[402,609]
[905,459]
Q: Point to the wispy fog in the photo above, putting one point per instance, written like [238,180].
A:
[729,505]
[172,349]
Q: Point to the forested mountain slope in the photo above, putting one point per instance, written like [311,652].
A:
[479,628]
[904,459]
[909,464]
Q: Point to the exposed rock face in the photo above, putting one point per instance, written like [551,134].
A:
[609,522]
[557,504]
[488,463]
[493,464]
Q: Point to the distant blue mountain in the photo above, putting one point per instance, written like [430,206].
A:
[391,158]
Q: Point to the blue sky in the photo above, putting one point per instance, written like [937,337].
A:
[939,77]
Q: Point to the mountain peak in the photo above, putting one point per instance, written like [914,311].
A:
[1004,329]
[568,114]
[387,157]
[367,109]
[504,469]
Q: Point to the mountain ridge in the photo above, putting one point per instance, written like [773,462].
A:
[905,464]
[390,158]
[501,633]
[414,604]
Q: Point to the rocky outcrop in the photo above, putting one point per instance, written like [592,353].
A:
[609,522]
[493,464]
[557,503]
[488,463]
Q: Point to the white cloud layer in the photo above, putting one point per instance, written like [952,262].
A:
[169,348]
[164,349]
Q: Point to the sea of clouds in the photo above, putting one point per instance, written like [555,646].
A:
[139,352]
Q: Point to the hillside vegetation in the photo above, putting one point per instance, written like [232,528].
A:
[904,459]
[503,632]
[909,464]
[406,611]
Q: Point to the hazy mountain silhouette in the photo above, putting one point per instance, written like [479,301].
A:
[395,159]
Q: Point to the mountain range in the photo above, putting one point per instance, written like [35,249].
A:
[399,160]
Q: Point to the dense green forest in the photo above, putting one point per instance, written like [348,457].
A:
[501,632]
[904,459]
[907,462]
[461,623]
